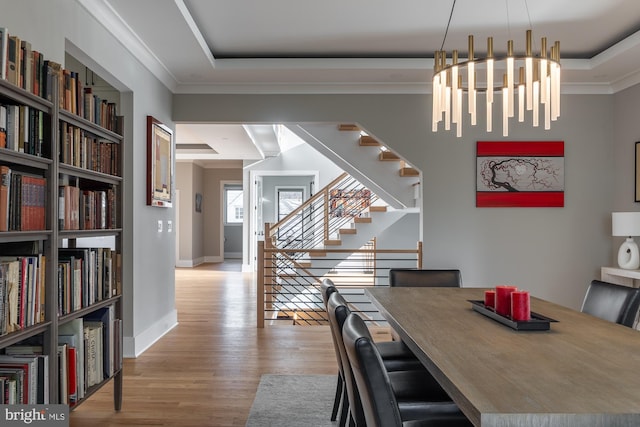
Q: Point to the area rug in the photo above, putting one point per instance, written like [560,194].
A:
[293,401]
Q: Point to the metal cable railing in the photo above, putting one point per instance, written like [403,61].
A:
[289,291]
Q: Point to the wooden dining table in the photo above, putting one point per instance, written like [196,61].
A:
[583,371]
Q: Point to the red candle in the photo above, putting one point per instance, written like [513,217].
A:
[503,299]
[520,305]
[490,299]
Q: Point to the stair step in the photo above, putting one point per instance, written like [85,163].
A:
[409,172]
[330,242]
[348,127]
[388,156]
[362,220]
[377,208]
[348,231]
[368,141]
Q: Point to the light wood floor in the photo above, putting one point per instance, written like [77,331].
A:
[205,372]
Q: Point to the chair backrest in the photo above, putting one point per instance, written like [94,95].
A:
[427,278]
[376,393]
[615,303]
[338,313]
[327,287]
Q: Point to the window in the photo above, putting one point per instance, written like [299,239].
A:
[233,202]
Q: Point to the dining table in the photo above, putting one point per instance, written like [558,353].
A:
[581,371]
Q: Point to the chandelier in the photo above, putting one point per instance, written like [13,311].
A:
[537,85]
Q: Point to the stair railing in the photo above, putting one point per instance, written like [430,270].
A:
[320,218]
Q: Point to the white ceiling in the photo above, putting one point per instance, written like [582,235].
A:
[362,46]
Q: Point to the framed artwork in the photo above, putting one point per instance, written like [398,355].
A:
[520,174]
[637,172]
[198,202]
[159,164]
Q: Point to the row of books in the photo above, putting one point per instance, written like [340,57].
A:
[86,209]
[86,276]
[22,200]
[88,353]
[22,292]
[27,68]
[94,344]
[24,376]
[82,149]
[22,129]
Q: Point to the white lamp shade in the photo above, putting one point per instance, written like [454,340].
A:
[625,224]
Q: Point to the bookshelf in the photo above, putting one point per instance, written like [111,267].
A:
[70,290]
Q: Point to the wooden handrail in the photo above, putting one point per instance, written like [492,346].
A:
[271,231]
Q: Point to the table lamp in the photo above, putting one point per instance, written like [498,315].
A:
[627,224]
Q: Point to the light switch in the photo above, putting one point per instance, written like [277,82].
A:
[169,226]
[159,226]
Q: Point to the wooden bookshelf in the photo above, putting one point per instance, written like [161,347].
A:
[96,280]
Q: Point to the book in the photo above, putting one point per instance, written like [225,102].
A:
[3,125]
[106,317]
[5,186]
[4,46]
[13,60]
[74,328]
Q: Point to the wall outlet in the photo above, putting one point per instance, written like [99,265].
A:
[169,226]
[159,226]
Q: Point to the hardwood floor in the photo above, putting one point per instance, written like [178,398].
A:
[205,372]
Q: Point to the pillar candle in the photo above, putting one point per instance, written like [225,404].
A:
[490,299]
[520,306]
[503,299]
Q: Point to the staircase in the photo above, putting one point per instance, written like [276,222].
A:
[330,235]
[364,158]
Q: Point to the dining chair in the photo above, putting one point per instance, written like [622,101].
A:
[327,287]
[397,355]
[413,277]
[377,394]
[425,277]
[615,303]
[414,387]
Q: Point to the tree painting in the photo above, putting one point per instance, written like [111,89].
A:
[520,174]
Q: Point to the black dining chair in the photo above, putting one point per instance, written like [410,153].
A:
[414,387]
[615,303]
[413,277]
[425,277]
[379,401]
[327,287]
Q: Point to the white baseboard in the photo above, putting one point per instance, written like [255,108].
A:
[185,263]
[247,268]
[216,258]
[135,346]
[233,255]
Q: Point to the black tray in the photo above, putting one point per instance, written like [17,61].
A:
[538,322]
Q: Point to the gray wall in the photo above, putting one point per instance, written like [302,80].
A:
[189,181]
[212,209]
[553,252]
[148,278]
[626,133]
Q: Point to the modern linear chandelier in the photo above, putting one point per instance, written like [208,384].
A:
[537,85]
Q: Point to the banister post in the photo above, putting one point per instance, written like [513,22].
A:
[260,290]
[419,255]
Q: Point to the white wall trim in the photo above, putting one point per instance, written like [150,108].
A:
[191,262]
[214,258]
[135,346]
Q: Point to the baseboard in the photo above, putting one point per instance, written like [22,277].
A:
[135,346]
[186,263]
[247,268]
[233,255]
[216,258]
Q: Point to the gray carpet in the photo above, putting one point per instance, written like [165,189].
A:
[293,401]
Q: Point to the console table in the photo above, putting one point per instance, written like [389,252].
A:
[620,276]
